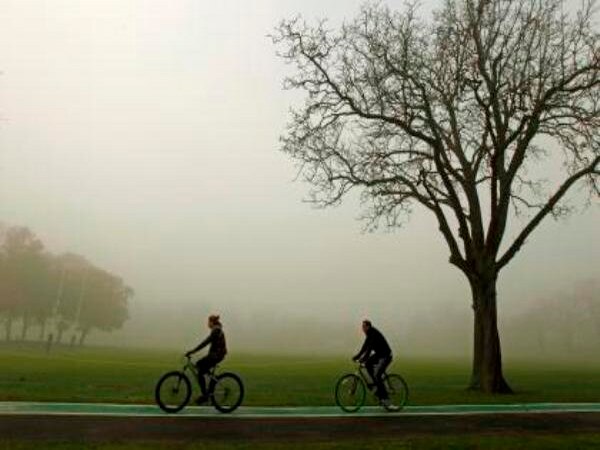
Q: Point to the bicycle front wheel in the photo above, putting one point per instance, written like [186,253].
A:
[228,392]
[397,390]
[350,392]
[173,392]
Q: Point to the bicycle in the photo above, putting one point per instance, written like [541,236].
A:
[174,389]
[351,390]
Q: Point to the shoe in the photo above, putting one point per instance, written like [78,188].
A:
[201,400]
[387,404]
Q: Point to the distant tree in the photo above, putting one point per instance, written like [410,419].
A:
[45,287]
[67,290]
[23,267]
[11,296]
[453,115]
[73,270]
[38,283]
[104,303]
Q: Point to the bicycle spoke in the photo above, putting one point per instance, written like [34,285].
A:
[228,392]
[173,392]
[350,393]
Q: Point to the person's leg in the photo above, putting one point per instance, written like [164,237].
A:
[370,366]
[211,363]
[379,369]
[203,366]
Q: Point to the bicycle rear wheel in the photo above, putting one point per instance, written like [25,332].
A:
[228,392]
[397,391]
[173,392]
[350,392]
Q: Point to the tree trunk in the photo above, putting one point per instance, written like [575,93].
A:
[83,335]
[486,373]
[25,327]
[59,334]
[43,330]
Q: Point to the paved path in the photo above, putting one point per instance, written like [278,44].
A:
[253,412]
[86,422]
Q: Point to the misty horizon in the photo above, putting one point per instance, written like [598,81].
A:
[145,137]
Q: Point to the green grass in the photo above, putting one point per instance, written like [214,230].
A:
[129,376]
[549,442]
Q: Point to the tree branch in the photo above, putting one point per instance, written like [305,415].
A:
[592,169]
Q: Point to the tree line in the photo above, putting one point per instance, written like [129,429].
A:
[55,294]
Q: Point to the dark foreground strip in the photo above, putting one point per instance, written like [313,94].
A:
[112,429]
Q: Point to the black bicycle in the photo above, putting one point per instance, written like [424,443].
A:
[351,390]
[174,389]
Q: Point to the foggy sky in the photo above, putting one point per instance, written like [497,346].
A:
[144,136]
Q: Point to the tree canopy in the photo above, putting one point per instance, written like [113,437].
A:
[66,291]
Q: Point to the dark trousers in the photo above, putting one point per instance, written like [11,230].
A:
[376,365]
[204,366]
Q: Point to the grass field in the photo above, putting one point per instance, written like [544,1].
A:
[129,376]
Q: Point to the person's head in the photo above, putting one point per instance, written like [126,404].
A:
[366,325]
[213,321]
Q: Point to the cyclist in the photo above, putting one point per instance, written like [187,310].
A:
[376,354]
[216,354]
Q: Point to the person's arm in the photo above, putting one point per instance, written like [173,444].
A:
[204,343]
[364,350]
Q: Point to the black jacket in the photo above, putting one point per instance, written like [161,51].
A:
[216,339]
[374,343]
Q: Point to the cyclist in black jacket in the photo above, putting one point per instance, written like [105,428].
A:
[376,354]
[216,354]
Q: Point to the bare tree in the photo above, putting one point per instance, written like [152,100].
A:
[453,114]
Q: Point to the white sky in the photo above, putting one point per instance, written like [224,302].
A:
[144,135]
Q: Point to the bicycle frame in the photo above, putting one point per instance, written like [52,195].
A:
[191,367]
[364,374]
